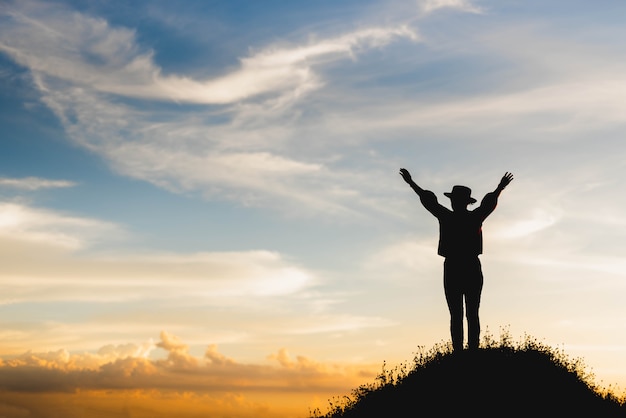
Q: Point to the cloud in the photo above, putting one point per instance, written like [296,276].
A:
[88,52]
[539,220]
[178,353]
[24,223]
[560,111]
[301,363]
[51,256]
[244,149]
[34,183]
[44,267]
[37,272]
[277,69]
[300,141]
[430,6]
[413,255]
[215,357]
[339,324]
[63,360]
[128,366]
[236,296]
[285,384]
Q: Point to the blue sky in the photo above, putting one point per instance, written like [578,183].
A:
[179,175]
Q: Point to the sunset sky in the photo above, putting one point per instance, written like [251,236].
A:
[201,212]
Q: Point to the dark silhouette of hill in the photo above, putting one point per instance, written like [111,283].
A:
[499,379]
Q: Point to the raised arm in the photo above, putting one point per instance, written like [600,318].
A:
[490,201]
[506,179]
[407,177]
[428,198]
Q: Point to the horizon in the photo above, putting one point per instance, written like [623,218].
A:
[200,203]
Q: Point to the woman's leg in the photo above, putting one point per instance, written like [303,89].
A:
[454,297]
[472,301]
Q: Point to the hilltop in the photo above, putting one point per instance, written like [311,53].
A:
[499,379]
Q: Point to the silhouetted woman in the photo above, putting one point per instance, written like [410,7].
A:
[461,242]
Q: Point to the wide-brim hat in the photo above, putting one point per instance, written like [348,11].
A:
[461,194]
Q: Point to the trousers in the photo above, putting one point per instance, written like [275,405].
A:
[463,280]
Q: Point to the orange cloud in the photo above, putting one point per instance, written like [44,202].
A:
[124,380]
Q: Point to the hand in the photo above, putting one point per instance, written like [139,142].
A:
[506,179]
[406,175]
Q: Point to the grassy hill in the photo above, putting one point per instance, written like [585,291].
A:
[500,379]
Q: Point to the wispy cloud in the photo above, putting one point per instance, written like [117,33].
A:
[286,139]
[222,277]
[34,183]
[430,6]
[24,223]
[90,53]
[538,220]
[278,69]
[338,323]
[48,262]
[242,152]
